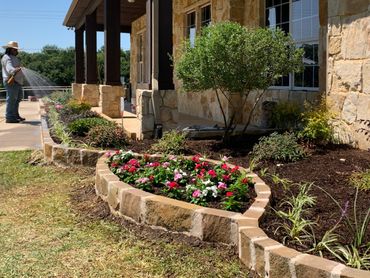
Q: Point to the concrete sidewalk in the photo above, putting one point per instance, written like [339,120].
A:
[21,136]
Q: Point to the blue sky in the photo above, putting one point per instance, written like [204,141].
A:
[36,23]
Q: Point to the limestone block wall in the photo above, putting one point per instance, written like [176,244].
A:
[138,27]
[348,63]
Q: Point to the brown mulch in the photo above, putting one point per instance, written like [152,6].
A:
[328,168]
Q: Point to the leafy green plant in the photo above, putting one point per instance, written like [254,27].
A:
[60,97]
[233,60]
[357,253]
[107,136]
[230,202]
[76,107]
[295,225]
[82,126]
[278,147]
[316,125]
[361,180]
[286,115]
[172,142]
[58,128]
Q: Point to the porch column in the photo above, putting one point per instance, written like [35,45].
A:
[112,32]
[112,90]
[79,56]
[79,64]
[90,90]
[91,61]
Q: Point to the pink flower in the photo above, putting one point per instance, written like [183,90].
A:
[108,154]
[166,164]
[196,193]
[58,106]
[114,165]
[221,185]
[142,180]
[229,194]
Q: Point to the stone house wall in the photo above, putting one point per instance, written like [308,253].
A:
[348,62]
[204,105]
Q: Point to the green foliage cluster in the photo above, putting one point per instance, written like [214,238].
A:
[172,142]
[60,97]
[361,180]
[231,59]
[82,126]
[76,107]
[295,226]
[316,125]
[107,136]
[278,147]
[286,115]
[58,128]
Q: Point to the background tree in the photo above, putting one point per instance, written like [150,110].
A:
[231,59]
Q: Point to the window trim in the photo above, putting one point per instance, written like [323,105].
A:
[291,86]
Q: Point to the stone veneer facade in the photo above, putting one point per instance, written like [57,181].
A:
[348,79]
[204,105]
[344,52]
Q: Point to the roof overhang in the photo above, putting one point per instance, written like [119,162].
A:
[79,9]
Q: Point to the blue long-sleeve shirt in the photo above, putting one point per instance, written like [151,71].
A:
[9,64]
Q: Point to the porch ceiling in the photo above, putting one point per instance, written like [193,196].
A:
[78,9]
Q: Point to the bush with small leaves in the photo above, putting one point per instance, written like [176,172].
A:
[278,147]
[81,127]
[107,136]
[172,142]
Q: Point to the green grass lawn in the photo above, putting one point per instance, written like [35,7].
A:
[41,235]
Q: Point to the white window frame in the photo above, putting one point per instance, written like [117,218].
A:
[298,43]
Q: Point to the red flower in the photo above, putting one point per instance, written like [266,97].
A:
[212,173]
[196,158]
[236,168]
[229,194]
[197,166]
[114,165]
[225,167]
[151,177]
[173,184]
[225,177]
[245,180]
[132,169]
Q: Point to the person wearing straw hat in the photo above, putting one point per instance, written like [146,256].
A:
[13,82]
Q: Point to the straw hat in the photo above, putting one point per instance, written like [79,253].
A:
[12,44]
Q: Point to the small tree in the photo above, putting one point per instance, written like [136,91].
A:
[231,59]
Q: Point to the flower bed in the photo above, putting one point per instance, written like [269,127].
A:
[195,180]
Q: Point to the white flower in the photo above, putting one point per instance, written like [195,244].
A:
[207,182]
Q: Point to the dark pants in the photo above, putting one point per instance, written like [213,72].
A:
[14,94]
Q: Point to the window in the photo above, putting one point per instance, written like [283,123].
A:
[205,16]
[197,19]
[191,27]
[301,19]
[140,59]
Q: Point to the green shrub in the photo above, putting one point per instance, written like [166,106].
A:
[361,180]
[172,142]
[107,136]
[317,128]
[76,107]
[286,115]
[66,117]
[82,126]
[278,147]
[61,97]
